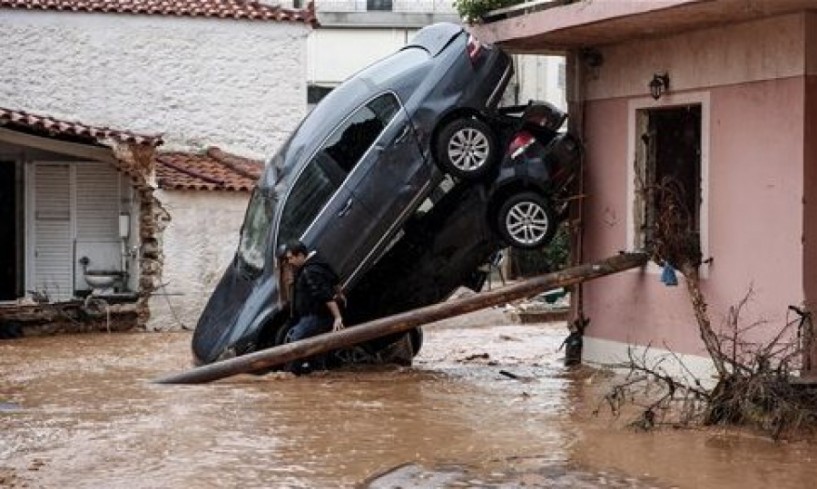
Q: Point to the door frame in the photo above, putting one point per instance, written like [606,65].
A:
[634,107]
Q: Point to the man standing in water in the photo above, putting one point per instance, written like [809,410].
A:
[313,303]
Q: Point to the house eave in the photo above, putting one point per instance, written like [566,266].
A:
[587,23]
[90,151]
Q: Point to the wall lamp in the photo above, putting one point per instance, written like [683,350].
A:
[659,85]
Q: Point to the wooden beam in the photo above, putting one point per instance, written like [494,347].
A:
[404,322]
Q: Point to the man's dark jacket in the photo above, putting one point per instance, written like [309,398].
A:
[315,284]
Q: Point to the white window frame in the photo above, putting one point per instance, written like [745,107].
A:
[665,102]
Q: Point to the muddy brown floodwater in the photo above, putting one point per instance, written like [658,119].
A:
[80,412]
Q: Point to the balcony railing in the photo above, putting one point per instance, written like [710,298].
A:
[407,6]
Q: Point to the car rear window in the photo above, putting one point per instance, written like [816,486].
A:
[395,65]
[436,38]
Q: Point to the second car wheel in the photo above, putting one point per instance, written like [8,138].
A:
[466,148]
[527,221]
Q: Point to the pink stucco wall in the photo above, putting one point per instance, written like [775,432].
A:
[755,179]
[756,50]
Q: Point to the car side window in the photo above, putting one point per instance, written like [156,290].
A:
[354,138]
[312,190]
[330,166]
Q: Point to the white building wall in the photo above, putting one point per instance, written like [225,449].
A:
[336,54]
[446,6]
[541,78]
[199,81]
[199,243]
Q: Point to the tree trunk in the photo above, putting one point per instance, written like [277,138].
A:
[405,321]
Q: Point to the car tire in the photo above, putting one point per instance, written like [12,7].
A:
[282,335]
[466,148]
[527,221]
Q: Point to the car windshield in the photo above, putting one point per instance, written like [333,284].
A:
[256,230]
[314,187]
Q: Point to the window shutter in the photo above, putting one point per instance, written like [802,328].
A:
[53,272]
[97,202]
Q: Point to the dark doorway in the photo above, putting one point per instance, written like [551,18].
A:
[10,283]
[669,158]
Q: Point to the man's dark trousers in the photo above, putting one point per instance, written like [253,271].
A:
[307,327]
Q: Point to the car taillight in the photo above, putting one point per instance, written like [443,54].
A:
[520,143]
[473,47]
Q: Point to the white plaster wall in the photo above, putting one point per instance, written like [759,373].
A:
[232,83]
[199,243]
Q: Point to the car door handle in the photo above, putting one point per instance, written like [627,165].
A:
[402,137]
[346,207]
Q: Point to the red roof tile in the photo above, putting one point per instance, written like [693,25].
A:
[213,170]
[224,9]
[51,127]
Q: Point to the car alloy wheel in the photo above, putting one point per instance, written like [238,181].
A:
[527,221]
[284,334]
[466,148]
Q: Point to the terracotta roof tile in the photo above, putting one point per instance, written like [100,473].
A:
[212,170]
[51,127]
[224,9]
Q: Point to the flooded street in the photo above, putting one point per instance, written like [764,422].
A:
[80,411]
